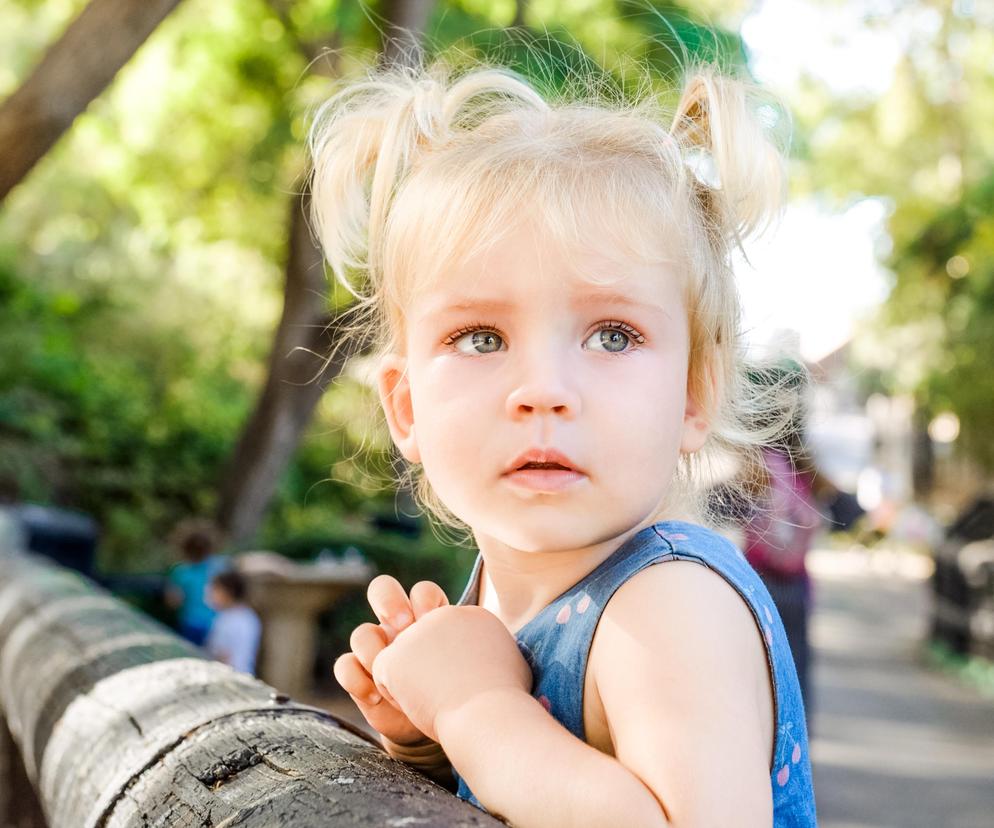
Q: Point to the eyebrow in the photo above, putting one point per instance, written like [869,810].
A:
[580,301]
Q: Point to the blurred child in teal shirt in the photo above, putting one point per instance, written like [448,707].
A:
[197,541]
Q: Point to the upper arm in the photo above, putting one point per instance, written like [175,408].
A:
[682,673]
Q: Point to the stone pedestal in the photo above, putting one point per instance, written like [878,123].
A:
[289,597]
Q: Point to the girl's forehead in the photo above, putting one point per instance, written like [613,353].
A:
[585,223]
[520,273]
[527,260]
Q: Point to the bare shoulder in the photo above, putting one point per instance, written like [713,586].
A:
[675,592]
[681,608]
[680,667]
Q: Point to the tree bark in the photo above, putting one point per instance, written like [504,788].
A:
[520,9]
[297,376]
[122,724]
[294,383]
[404,26]
[72,73]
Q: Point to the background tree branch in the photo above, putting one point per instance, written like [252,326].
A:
[74,70]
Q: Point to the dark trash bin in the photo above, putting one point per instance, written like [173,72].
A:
[843,511]
[963,582]
[68,538]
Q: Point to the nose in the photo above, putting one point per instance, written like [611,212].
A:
[543,390]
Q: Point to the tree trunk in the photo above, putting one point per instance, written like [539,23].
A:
[288,398]
[520,9]
[73,72]
[404,26]
[297,377]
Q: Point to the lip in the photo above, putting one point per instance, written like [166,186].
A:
[542,455]
[543,480]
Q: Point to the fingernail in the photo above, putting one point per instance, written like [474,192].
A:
[374,698]
[401,620]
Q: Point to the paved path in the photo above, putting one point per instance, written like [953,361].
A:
[895,744]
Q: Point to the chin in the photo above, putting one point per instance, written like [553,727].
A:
[549,534]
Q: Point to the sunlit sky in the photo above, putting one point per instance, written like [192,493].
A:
[817,273]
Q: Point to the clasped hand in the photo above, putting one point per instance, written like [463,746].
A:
[424,659]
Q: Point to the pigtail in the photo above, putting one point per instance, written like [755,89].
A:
[718,121]
[367,138]
[735,179]
[362,143]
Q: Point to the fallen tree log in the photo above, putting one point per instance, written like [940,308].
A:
[119,722]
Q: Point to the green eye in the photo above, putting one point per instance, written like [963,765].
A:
[479,342]
[611,340]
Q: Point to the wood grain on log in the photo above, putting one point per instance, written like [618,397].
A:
[121,723]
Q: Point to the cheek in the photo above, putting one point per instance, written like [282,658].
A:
[641,403]
[641,434]
[454,418]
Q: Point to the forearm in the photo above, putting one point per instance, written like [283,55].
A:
[526,767]
[425,756]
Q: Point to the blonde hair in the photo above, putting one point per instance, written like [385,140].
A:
[414,168]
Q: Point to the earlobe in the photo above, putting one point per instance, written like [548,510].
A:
[395,397]
[695,429]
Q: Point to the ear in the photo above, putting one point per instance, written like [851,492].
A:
[395,397]
[696,428]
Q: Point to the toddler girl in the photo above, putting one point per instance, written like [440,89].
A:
[558,339]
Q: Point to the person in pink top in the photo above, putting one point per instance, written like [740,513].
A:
[782,520]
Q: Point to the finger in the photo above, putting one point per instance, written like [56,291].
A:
[379,677]
[426,596]
[355,680]
[366,642]
[389,602]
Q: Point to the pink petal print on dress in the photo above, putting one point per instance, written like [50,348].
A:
[563,615]
[544,701]
[677,536]
[795,757]
[783,776]
[583,604]
[769,616]
[769,634]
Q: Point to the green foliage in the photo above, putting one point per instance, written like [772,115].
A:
[116,428]
[948,268]
[926,145]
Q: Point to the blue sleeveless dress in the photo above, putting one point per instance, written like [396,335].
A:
[556,643]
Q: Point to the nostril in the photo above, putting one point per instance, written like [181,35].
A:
[531,401]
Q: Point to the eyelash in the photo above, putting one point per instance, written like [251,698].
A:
[476,326]
[610,324]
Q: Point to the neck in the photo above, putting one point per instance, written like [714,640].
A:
[515,586]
